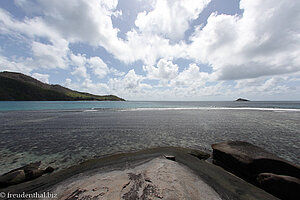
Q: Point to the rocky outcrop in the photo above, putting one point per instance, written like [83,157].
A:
[241,99]
[22,174]
[285,187]
[146,174]
[159,178]
[249,161]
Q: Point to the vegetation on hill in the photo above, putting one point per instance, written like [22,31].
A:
[19,87]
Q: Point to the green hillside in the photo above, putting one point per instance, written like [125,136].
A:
[19,87]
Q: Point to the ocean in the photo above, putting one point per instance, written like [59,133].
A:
[62,134]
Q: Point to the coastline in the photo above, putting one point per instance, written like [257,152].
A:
[226,185]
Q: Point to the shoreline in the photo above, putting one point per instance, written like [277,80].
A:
[270,109]
[226,185]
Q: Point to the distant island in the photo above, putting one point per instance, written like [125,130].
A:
[241,99]
[19,87]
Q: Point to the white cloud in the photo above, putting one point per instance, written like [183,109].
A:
[170,18]
[149,48]
[80,71]
[59,20]
[191,78]
[82,64]
[271,85]
[79,62]
[130,83]
[116,72]
[7,64]
[80,20]
[165,70]
[68,82]
[263,41]
[94,88]
[256,46]
[50,56]
[87,85]
[41,77]
[99,67]
[32,27]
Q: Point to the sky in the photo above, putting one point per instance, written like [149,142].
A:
[182,50]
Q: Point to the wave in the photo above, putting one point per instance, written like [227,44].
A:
[214,108]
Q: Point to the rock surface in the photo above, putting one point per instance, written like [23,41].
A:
[127,165]
[22,174]
[285,187]
[157,179]
[248,161]
[199,154]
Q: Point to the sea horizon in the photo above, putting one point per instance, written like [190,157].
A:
[95,105]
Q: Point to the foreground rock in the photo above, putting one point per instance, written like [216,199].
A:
[145,174]
[22,174]
[285,187]
[248,161]
[158,179]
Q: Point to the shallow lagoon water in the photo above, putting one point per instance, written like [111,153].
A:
[95,105]
[62,138]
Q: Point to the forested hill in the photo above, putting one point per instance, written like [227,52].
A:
[19,87]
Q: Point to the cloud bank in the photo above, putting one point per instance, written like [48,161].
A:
[256,50]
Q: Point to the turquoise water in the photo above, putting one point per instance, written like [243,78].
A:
[62,134]
[91,105]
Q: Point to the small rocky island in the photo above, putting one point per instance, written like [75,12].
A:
[241,99]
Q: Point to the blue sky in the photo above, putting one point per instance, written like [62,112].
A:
[157,49]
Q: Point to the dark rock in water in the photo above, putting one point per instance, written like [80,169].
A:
[241,99]
[248,161]
[49,170]
[284,187]
[199,154]
[12,178]
[22,174]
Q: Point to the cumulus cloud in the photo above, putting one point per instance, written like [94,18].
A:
[99,67]
[41,77]
[271,85]
[191,77]
[258,45]
[68,82]
[87,21]
[170,18]
[165,70]
[96,64]
[87,85]
[79,61]
[263,41]
[50,56]
[96,88]
[131,83]
[116,72]
[7,64]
